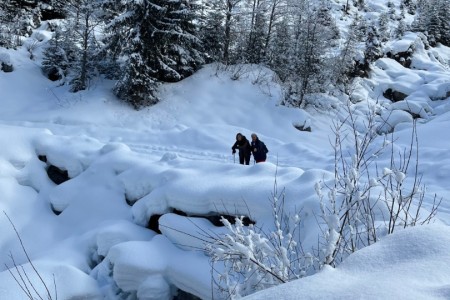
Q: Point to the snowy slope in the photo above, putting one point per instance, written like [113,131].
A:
[411,264]
[127,166]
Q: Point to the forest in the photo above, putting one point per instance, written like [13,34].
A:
[143,43]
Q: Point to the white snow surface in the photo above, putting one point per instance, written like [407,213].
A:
[127,166]
[411,264]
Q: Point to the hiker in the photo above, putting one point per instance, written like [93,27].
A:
[259,149]
[244,149]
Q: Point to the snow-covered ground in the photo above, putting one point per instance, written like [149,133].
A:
[412,264]
[89,236]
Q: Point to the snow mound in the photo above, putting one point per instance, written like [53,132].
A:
[73,154]
[5,58]
[155,266]
[120,232]
[55,276]
[390,119]
[410,264]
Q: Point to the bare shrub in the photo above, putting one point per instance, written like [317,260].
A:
[256,259]
[23,277]
[366,201]
[31,46]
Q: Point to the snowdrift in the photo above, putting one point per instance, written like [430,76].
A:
[410,264]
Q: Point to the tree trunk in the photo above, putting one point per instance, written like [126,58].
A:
[271,21]
[226,46]
[84,58]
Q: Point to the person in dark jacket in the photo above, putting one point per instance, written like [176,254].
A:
[244,149]
[259,149]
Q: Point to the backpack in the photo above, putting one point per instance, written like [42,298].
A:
[263,146]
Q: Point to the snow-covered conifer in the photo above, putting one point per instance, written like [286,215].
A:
[257,39]
[433,20]
[212,31]
[55,62]
[345,62]
[17,19]
[156,41]
[373,46]
[410,6]
[84,20]
[308,56]
[279,51]
[384,27]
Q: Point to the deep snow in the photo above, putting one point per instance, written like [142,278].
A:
[177,155]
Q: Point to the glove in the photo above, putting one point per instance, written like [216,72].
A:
[234,151]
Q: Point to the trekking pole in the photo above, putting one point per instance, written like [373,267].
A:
[234,158]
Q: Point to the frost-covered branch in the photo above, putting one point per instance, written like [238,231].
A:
[363,203]
[27,285]
[254,259]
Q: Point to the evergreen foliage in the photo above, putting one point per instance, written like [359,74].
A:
[212,31]
[345,67]
[434,21]
[156,42]
[308,71]
[55,62]
[279,56]
[410,6]
[85,20]
[256,41]
[141,43]
[17,19]
[383,27]
[373,45]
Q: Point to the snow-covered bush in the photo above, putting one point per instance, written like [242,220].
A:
[366,200]
[5,63]
[254,259]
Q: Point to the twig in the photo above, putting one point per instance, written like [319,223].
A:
[28,258]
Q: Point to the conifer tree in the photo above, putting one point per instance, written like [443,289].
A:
[212,31]
[158,41]
[444,16]
[230,7]
[137,86]
[326,21]
[433,20]
[401,28]
[346,61]
[360,25]
[308,70]
[55,62]
[383,27]
[257,39]
[84,20]
[391,10]
[410,6]
[17,19]
[279,51]
[373,45]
